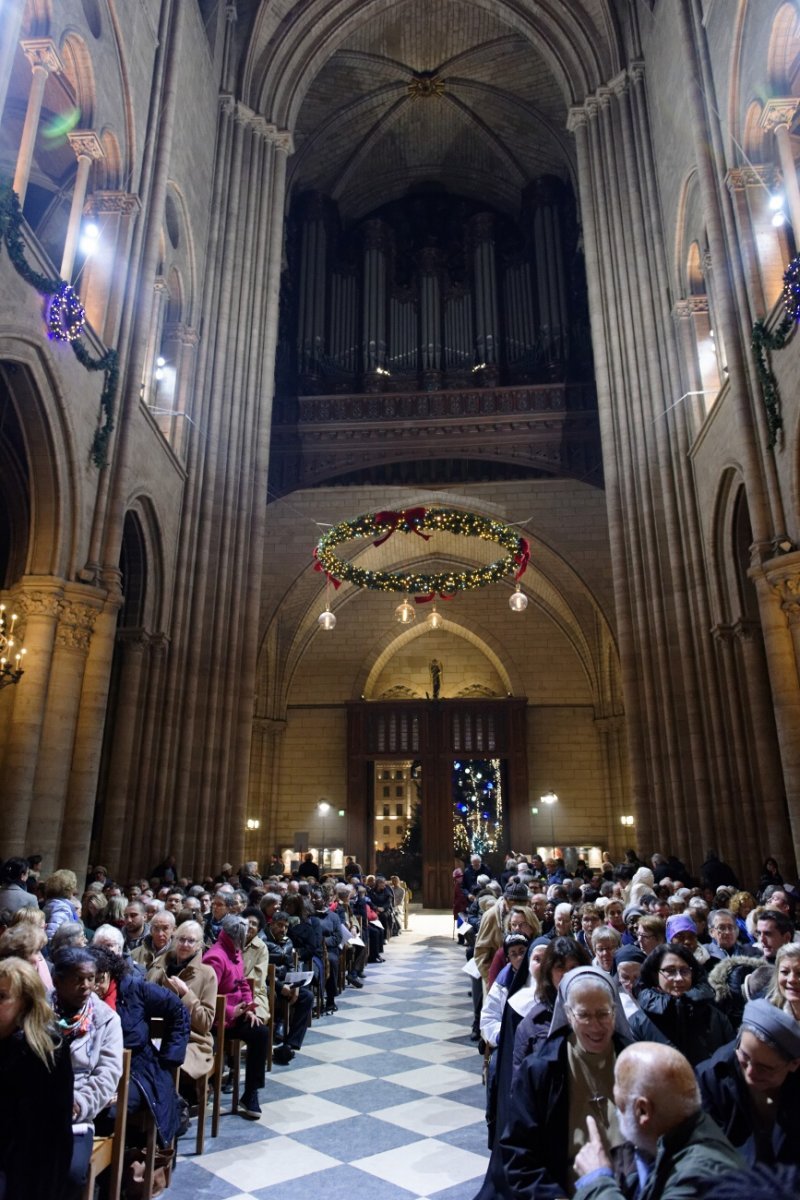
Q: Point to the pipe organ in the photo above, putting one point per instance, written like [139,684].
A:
[430,292]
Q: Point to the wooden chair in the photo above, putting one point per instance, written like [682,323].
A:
[145,1120]
[109,1152]
[212,1080]
[273,1015]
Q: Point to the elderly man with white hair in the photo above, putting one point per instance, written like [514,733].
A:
[678,1148]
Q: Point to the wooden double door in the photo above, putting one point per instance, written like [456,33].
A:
[435,733]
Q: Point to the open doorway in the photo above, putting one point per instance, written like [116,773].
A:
[397,819]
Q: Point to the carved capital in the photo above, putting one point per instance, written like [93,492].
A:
[36,602]
[577,118]
[620,84]
[785,583]
[281,139]
[777,112]
[723,634]
[745,630]
[690,306]
[739,179]
[42,52]
[178,332]
[134,639]
[269,725]
[86,144]
[636,71]
[231,14]
[376,235]
[160,286]
[75,625]
[101,202]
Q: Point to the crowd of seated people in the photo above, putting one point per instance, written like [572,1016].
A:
[611,974]
[84,971]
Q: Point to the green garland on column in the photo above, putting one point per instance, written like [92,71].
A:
[762,341]
[10,226]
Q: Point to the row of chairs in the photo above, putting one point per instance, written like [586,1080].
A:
[108,1153]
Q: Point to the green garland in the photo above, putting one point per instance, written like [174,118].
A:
[422,522]
[10,226]
[761,340]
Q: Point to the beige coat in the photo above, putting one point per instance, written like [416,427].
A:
[201,1000]
[256,966]
[490,938]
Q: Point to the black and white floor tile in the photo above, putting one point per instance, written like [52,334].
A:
[384,1102]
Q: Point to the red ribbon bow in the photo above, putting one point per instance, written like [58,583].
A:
[522,557]
[432,596]
[337,583]
[413,517]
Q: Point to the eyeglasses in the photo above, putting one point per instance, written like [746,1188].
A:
[187,941]
[584,1018]
[676,972]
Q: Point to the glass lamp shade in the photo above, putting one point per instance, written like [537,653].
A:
[405,613]
[327,620]
[435,619]
[518,601]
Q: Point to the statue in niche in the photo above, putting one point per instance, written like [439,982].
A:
[435,668]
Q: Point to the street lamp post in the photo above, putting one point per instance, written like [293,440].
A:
[323,808]
[551,799]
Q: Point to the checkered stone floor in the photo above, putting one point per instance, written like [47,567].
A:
[384,1101]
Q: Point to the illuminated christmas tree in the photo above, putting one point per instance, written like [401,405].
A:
[477,806]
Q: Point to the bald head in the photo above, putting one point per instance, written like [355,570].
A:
[655,1090]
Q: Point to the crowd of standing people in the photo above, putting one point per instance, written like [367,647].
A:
[640,1027]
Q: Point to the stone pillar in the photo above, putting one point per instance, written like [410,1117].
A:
[778,116]
[88,747]
[87,147]
[37,600]
[206,747]
[692,325]
[125,762]
[778,586]
[481,231]
[265,766]
[75,624]
[105,272]
[12,24]
[377,244]
[429,262]
[41,53]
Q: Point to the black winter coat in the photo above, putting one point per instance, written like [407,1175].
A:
[35,1120]
[726,1098]
[691,1023]
[137,1002]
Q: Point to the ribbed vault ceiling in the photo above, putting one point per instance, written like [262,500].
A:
[493,120]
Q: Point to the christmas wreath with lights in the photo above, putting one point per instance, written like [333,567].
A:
[65,314]
[421,522]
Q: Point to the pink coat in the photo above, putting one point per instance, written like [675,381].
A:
[228,966]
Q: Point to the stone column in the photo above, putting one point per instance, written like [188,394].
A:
[124,764]
[749,189]
[12,24]
[105,272]
[777,117]
[691,322]
[377,243]
[73,633]
[88,747]
[429,261]
[41,53]
[37,600]
[87,147]
[778,586]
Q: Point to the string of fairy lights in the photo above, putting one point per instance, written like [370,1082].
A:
[423,586]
